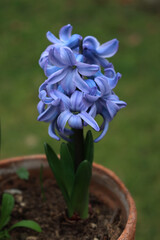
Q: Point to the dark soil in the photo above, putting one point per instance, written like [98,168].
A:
[48,210]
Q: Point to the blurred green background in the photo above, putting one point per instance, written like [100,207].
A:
[131,146]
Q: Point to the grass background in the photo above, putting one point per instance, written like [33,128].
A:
[131,146]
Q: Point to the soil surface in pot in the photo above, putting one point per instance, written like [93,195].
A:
[47,208]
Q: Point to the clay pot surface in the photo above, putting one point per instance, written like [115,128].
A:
[105,185]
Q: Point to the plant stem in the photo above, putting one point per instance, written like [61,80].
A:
[79,146]
[81,47]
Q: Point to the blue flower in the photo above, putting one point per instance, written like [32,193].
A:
[75,113]
[95,53]
[62,109]
[66,39]
[104,101]
[53,106]
[108,104]
[70,70]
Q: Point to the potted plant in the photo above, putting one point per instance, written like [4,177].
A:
[79,86]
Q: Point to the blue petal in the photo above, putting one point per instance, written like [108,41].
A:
[67,56]
[102,61]
[40,107]
[62,120]
[49,69]
[89,56]
[113,82]
[103,85]
[42,86]
[55,58]
[57,76]
[51,131]
[109,73]
[56,103]
[44,98]
[43,59]
[93,111]
[108,49]
[52,38]
[42,94]
[77,101]
[91,83]
[105,129]
[80,83]
[79,58]
[65,32]
[91,98]
[91,42]
[68,132]
[109,65]
[75,122]
[87,69]
[121,104]
[74,41]
[44,56]
[63,135]
[89,120]
[113,97]
[50,87]
[48,115]
[112,109]
[63,97]
[68,83]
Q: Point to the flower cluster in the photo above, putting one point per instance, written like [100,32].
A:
[79,85]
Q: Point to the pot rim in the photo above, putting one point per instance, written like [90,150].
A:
[129,230]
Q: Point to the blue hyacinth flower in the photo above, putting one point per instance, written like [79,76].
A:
[66,39]
[69,76]
[96,53]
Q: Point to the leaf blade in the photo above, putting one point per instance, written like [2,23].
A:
[81,188]
[23,173]
[56,168]
[27,224]
[6,209]
[67,167]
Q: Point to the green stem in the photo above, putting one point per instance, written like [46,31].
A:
[79,146]
[81,47]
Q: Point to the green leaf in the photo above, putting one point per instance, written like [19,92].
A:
[54,163]
[27,224]
[81,189]
[6,209]
[4,235]
[67,167]
[89,147]
[56,167]
[23,173]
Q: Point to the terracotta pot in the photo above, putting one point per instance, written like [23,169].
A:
[105,185]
